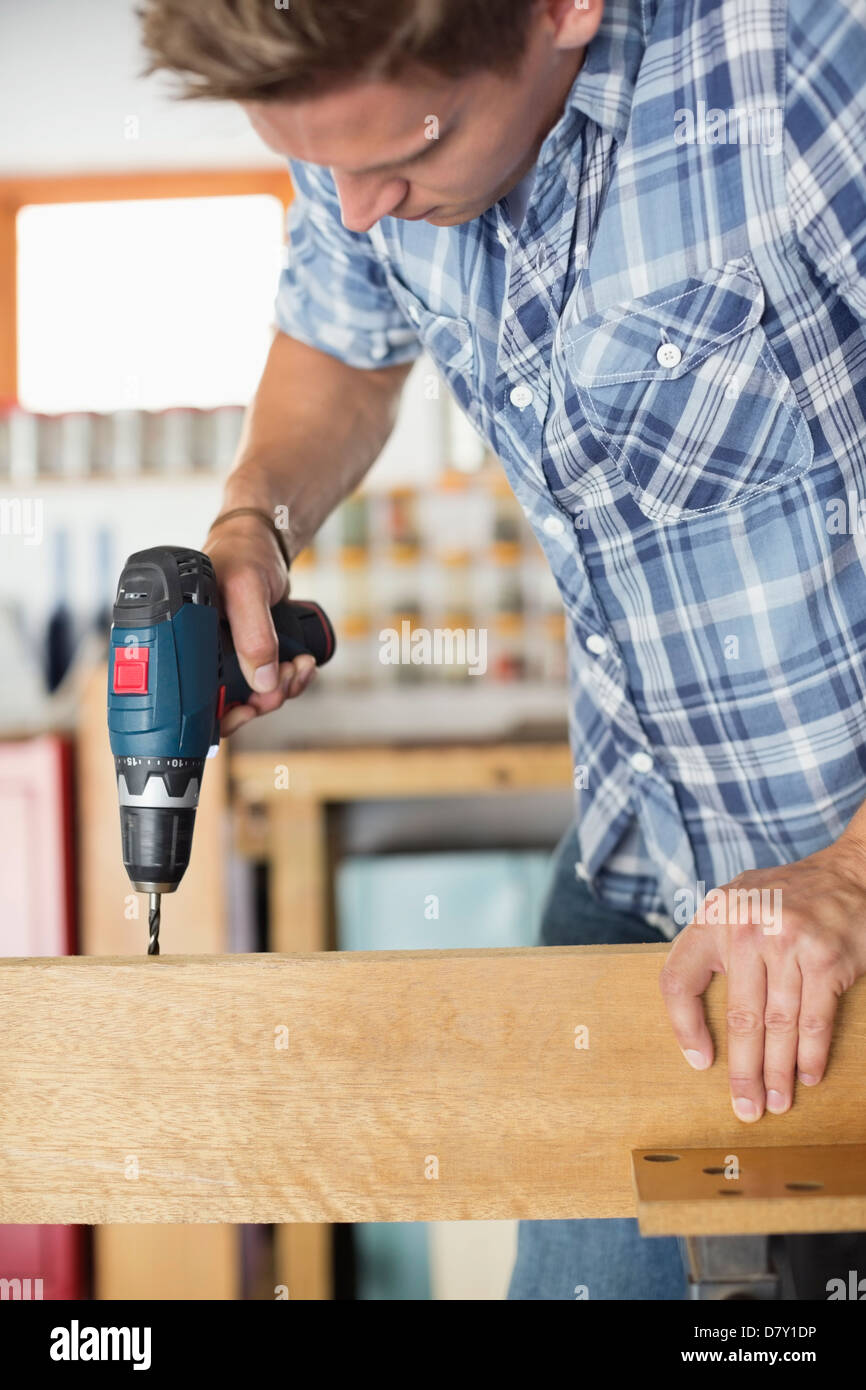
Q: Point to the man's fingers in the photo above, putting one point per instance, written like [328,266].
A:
[747,999]
[817,1012]
[238,715]
[245,596]
[686,974]
[294,677]
[302,671]
[781,1016]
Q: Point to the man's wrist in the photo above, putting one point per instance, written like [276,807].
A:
[234,513]
[852,842]
[252,484]
[257,490]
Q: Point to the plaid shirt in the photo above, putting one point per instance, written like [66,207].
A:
[668,355]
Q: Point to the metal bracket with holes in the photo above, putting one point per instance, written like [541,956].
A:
[693,1192]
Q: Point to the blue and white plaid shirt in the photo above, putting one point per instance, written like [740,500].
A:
[668,354]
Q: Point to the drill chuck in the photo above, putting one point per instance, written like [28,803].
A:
[156,846]
[158,798]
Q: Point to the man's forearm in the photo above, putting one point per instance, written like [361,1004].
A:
[312,431]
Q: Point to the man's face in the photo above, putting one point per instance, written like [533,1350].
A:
[430,148]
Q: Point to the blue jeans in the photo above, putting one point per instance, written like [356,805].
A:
[609,1258]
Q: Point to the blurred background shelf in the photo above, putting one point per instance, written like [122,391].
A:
[476,711]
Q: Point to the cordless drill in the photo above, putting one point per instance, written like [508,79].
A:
[173,672]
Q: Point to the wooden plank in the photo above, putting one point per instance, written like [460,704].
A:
[145,183]
[342,774]
[8,300]
[690,1191]
[362,1086]
[161,1262]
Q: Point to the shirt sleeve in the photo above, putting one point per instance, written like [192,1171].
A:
[333,294]
[825,123]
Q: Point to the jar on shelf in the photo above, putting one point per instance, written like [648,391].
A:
[127,430]
[399,641]
[455,578]
[355,651]
[401,527]
[354,567]
[457,646]
[399,579]
[222,433]
[508,655]
[177,450]
[354,517]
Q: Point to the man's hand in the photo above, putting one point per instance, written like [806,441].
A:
[252,577]
[791,941]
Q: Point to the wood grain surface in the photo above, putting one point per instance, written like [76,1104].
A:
[412,1086]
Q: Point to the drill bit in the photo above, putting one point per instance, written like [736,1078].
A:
[153,917]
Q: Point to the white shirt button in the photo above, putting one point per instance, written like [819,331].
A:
[669,355]
[641,762]
[414,313]
[502,237]
[378,350]
[553,525]
[520,396]
[596,644]
[582,872]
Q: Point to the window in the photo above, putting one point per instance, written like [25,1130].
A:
[145,304]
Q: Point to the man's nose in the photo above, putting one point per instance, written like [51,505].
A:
[364,199]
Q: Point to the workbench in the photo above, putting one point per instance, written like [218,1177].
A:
[414,1085]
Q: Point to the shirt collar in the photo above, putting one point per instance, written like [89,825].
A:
[604,87]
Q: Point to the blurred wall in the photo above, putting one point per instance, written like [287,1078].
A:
[69,84]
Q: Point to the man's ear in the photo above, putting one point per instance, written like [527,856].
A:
[575,22]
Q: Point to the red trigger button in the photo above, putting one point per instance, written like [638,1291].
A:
[130,670]
[221,702]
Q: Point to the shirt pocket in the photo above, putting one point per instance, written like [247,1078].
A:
[684,391]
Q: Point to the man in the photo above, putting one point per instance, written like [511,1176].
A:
[633,238]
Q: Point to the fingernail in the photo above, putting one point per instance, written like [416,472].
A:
[695,1059]
[745,1109]
[265,678]
[777,1103]
[809,1080]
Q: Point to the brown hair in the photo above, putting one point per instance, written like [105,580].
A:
[251,50]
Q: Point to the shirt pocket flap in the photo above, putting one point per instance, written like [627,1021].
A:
[666,334]
[446,337]
[684,392]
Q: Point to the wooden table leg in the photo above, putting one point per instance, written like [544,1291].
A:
[298,898]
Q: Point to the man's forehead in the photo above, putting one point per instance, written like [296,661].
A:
[359,128]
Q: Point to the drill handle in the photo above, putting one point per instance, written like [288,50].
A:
[301,628]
